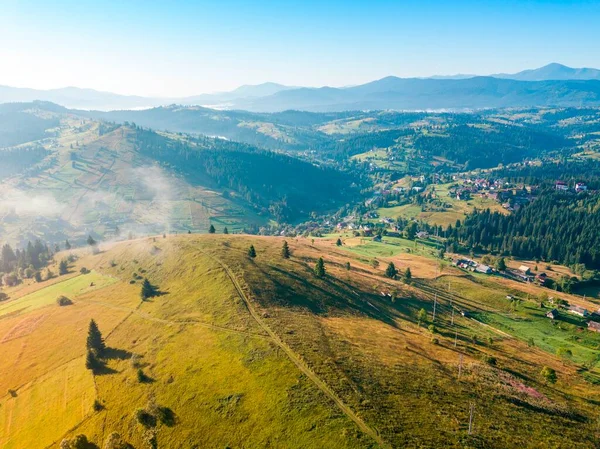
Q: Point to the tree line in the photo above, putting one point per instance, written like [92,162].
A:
[555,227]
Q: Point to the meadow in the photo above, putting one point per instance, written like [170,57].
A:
[259,352]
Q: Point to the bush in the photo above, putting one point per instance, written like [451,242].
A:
[144,418]
[136,360]
[490,360]
[549,374]
[63,301]
[141,376]
[97,406]
[84,270]
[3,296]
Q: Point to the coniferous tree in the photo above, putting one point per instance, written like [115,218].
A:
[251,252]
[391,271]
[338,242]
[91,241]
[285,250]
[225,230]
[63,267]
[211,229]
[320,268]
[407,275]
[148,290]
[91,361]
[95,341]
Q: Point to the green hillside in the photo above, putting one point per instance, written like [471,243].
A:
[258,352]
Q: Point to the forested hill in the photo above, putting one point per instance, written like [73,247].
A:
[287,187]
[556,227]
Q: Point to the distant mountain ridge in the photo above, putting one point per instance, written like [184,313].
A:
[552,85]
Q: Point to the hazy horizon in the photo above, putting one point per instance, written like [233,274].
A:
[190,48]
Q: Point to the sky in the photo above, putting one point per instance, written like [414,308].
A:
[179,48]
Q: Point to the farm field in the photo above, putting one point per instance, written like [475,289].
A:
[247,352]
[435,213]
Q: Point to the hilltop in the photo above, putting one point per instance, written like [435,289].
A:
[255,352]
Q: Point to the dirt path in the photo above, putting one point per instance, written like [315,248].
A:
[297,360]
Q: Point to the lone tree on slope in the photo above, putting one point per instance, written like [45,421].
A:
[407,276]
[148,290]
[63,267]
[285,250]
[251,252]
[95,341]
[320,268]
[339,242]
[91,361]
[211,230]
[391,271]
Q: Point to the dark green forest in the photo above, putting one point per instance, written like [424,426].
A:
[287,187]
[555,227]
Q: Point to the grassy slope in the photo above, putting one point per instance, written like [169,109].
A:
[227,383]
[110,184]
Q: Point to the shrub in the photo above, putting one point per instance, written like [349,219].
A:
[144,418]
[97,406]
[549,374]
[3,296]
[490,360]
[141,376]
[63,301]
[136,360]
[84,270]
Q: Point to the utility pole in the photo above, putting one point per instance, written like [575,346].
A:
[434,304]
[452,322]
[471,409]
[460,365]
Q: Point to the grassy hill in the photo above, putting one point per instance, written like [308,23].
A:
[241,352]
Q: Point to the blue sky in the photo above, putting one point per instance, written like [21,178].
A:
[181,48]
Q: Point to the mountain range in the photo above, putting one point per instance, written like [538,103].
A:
[551,85]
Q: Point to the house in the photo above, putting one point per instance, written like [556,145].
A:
[577,310]
[541,278]
[580,187]
[594,326]
[483,269]
[561,185]
[553,314]
[510,297]
[377,238]
[422,235]
[525,270]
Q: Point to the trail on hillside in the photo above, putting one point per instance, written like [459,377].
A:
[295,358]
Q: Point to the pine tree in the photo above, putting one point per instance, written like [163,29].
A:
[225,230]
[91,361]
[320,268]
[95,342]
[407,275]
[251,252]
[500,264]
[91,241]
[348,266]
[339,242]
[211,230]
[148,290]
[391,271]
[63,267]
[285,250]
